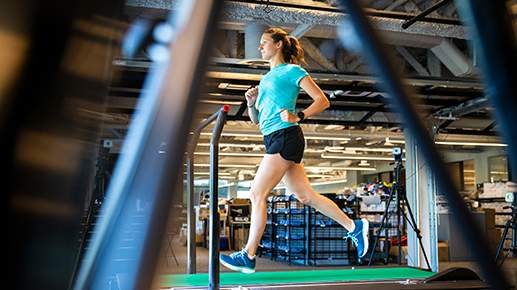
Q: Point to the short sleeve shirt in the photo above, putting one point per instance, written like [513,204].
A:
[278,90]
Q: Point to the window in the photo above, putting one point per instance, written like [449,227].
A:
[498,168]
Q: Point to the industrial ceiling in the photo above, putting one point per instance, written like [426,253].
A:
[359,129]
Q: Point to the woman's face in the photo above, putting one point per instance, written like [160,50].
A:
[268,48]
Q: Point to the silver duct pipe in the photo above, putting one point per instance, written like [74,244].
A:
[444,49]
[446,52]
[252,40]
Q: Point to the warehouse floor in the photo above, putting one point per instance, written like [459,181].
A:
[168,267]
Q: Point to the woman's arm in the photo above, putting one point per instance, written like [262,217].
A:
[251,97]
[320,101]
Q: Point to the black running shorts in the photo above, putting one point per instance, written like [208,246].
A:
[289,142]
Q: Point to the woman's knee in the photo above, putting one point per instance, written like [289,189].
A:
[257,196]
[306,199]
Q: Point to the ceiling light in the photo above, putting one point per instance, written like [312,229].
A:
[328,182]
[471,143]
[227,165]
[337,168]
[257,135]
[217,102]
[390,142]
[227,86]
[358,157]
[251,145]
[246,154]
[389,150]
[226,185]
[327,138]
[235,134]
[208,173]
[319,175]
[364,163]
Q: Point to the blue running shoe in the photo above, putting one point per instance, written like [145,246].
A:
[360,236]
[238,261]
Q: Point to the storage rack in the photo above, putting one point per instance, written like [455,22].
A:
[326,243]
[284,235]
[268,241]
[290,228]
[299,233]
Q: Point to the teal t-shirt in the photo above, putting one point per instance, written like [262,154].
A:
[278,90]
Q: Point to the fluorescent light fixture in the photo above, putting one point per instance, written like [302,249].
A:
[359,157]
[234,134]
[208,173]
[226,185]
[237,145]
[227,165]
[337,168]
[236,103]
[307,136]
[228,86]
[316,183]
[327,138]
[471,143]
[388,140]
[364,163]
[369,149]
[329,182]
[246,154]
[319,175]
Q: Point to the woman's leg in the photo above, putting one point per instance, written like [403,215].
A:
[270,172]
[296,180]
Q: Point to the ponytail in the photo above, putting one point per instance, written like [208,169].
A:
[291,50]
[296,51]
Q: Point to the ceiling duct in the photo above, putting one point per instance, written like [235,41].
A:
[444,49]
[253,33]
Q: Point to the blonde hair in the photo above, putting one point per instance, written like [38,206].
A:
[291,50]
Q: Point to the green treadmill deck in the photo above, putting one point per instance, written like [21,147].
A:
[308,276]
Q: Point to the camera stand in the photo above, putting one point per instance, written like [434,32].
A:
[511,223]
[399,193]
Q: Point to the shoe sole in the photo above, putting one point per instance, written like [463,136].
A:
[366,230]
[244,270]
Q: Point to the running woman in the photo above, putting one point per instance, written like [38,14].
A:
[272,105]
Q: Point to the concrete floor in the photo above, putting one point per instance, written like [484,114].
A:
[265,264]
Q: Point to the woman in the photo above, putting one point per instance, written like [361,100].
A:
[271,105]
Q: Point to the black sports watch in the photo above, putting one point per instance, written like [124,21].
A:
[301,115]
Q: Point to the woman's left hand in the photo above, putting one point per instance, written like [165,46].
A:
[287,117]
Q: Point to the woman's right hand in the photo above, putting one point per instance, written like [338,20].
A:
[251,95]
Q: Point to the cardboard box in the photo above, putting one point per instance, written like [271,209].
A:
[489,217]
[240,201]
[493,236]
[240,238]
[443,250]
[394,253]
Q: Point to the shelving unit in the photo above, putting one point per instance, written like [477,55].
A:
[326,243]
[284,235]
[298,233]
[290,224]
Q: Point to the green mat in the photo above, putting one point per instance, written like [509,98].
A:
[235,278]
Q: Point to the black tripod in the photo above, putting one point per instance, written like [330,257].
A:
[102,178]
[399,193]
[511,223]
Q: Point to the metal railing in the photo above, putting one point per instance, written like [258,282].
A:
[220,117]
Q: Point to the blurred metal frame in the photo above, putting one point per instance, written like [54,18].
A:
[363,38]
[155,152]
[53,77]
